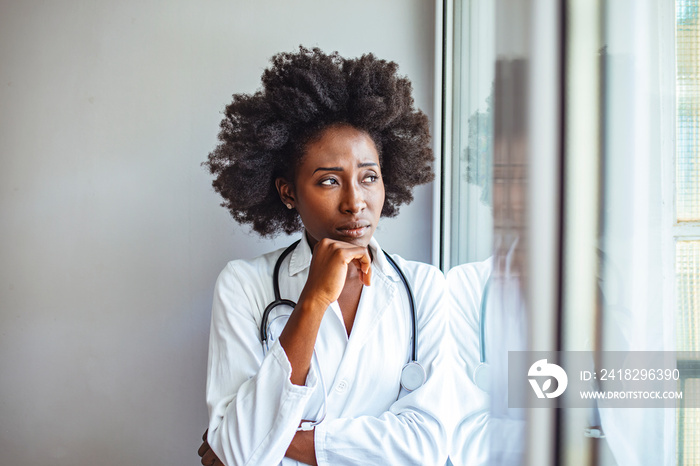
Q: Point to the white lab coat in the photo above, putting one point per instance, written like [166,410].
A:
[479,437]
[255,410]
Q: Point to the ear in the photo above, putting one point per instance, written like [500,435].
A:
[286,192]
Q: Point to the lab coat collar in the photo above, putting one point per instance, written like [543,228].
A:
[301,259]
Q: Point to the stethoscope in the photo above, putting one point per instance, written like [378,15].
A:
[412,374]
[482,372]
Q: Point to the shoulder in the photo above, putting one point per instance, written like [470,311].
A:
[250,267]
[251,278]
[247,269]
[466,284]
[469,279]
[427,284]
[419,274]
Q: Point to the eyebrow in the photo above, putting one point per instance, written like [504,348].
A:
[340,169]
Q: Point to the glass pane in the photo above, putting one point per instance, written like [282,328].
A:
[472,130]
[688,107]
[688,339]
[688,210]
[689,427]
[688,295]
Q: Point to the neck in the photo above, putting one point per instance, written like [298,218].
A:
[312,242]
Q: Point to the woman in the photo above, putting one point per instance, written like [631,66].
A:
[328,146]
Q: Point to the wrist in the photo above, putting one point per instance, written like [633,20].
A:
[309,303]
[302,448]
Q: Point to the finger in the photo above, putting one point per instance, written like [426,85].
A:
[364,265]
[356,253]
[366,262]
[203,449]
[209,458]
[218,463]
[204,437]
[367,275]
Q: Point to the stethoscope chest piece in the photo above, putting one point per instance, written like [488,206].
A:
[482,376]
[412,376]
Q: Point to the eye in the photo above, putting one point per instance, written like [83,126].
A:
[371,178]
[328,182]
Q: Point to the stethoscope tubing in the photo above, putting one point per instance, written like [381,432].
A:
[288,302]
[482,323]
[411,303]
[276,289]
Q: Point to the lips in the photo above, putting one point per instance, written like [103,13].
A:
[354,229]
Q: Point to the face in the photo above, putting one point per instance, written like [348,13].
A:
[338,189]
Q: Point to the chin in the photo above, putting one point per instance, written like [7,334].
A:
[363,242]
[361,239]
[356,238]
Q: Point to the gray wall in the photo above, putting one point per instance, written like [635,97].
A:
[110,234]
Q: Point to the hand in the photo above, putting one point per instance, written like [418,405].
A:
[329,270]
[302,448]
[205,452]
[327,276]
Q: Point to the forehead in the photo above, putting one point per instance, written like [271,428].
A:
[339,146]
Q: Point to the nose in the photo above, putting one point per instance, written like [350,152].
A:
[353,201]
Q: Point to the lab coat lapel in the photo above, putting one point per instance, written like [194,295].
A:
[375,298]
[374,302]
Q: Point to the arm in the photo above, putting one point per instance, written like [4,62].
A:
[256,402]
[411,430]
[327,274]
[254,408]
[302,448]
[479,438]
[470,440]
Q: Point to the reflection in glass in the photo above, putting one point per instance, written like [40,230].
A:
[689,428]
[688,339]
[487,293]
[627,244]
[687,260]
[688,292]
[472,132]
[688,109]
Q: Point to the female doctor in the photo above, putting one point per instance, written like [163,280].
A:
[326,147]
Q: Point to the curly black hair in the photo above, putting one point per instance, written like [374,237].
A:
[263,136]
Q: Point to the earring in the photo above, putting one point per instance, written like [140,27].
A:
[289,206]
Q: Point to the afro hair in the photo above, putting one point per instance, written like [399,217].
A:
[263,136]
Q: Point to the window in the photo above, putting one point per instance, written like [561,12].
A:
[687,220]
